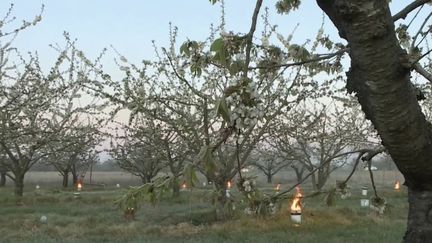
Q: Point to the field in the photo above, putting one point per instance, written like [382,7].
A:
[93,218]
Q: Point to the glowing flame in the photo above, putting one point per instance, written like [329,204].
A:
[278,187]
[79,186]
[296,204]
[397,185]
[228,184]
[184,185]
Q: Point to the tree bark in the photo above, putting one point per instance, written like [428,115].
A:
[380,77]
[65,179]
[314,182]
[2,179]
[74,177]
[419,228]
[299,173]
[176,187]
[269,177]
[19,185]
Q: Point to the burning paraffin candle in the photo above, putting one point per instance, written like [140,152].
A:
[227,191]
[296,207]
[79,186]
[397,186]
[183,186]
[277,188]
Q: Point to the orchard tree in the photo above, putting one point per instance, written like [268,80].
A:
[82,139]
[224,93]
[138,150]
[380,77]
[268,161]
[33,102]
[321,138]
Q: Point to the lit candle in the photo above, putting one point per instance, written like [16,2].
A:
[278,187]
[227,191]
[397,186]
[183,186]
[79,186]
[296,207]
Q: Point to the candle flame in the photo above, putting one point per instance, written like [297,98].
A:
[296,204]
[228,184]
[184,185]
[397,185]
[278,187]
[79,186]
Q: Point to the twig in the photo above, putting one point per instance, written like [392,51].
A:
[408,9]
[184,80]
[354,168]
[286,65]
[372,179]
[423,72]
[249,37]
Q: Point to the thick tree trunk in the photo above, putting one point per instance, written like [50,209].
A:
[299,173]
[65,179]
[2,179]
[176,188]
[314,182]
[380,77]
[419,227]
[269,177]
[74,177]
[19,185]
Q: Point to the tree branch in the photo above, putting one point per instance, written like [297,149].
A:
[423,72]
[408,9]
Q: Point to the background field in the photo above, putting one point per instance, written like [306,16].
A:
[191,218]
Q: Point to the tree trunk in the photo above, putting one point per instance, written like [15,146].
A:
[65,179]
[223,208]
[176,187]
[314,182]
[380,77]
[2,179]
[299,173]
[74,177]
[19,185]
[419,228]
[269,177]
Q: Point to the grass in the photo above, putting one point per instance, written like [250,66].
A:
[190,218]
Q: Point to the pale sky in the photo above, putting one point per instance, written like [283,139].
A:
[130,25]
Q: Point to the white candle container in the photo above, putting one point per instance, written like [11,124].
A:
[364,202]
[364,191]
[296,217]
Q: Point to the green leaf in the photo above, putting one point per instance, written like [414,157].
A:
[217,45]
[223,110]
[236,67]
[184,48]
[190,175]
[206,157]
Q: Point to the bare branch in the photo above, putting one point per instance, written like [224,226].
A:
[423,72]
[408,9]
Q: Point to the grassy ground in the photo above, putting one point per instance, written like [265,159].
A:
[190,218]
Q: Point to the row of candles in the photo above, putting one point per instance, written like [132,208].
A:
[296,205]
